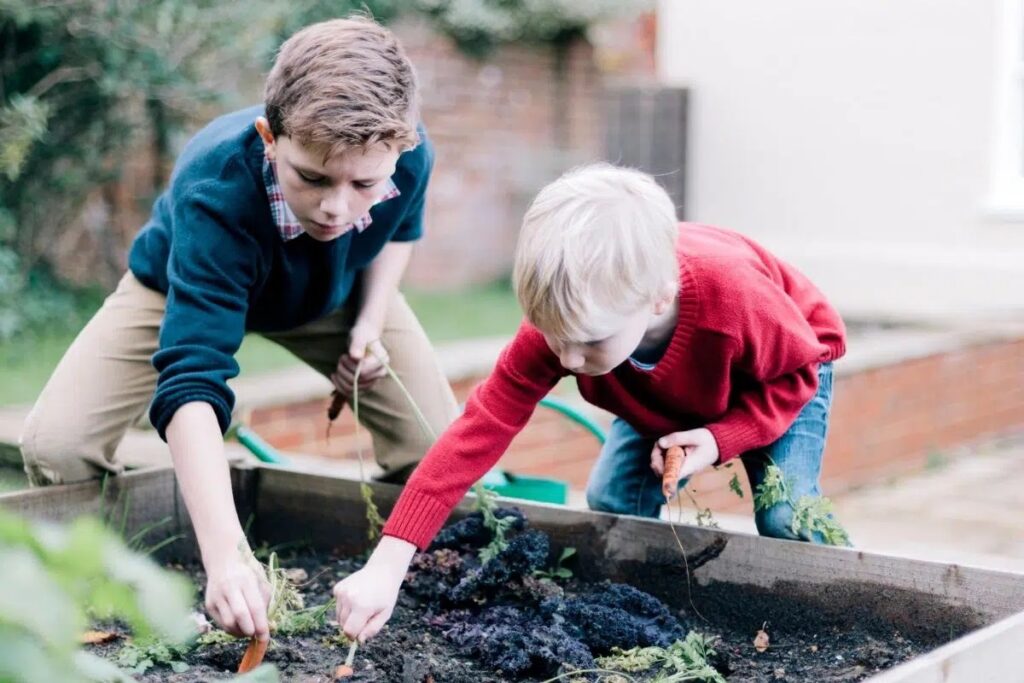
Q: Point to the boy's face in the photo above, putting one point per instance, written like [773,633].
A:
[328,195]
[600,356]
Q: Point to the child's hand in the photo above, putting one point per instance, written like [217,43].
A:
[237,593]
[364,346]
[699,445]
[366,598]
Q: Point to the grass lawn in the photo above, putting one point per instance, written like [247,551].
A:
[26,363]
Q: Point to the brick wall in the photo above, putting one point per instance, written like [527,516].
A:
[502,128]
[886,421]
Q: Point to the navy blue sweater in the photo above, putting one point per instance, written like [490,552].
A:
[211,245]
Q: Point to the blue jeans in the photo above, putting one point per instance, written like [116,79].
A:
[622,481]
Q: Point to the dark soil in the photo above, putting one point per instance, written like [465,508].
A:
[460,621]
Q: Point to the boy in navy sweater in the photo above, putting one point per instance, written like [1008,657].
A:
[294,220]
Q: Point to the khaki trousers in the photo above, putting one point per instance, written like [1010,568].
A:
[105,382]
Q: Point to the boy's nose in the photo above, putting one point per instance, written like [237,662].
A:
[571,359]
[335,204]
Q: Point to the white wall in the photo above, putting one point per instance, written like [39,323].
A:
[854,137]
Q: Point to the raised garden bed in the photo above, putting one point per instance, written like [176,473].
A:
[832,614]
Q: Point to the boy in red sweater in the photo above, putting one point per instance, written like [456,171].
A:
[691,335]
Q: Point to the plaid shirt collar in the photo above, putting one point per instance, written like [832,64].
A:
[287,224]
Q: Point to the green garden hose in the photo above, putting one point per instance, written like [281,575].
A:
[575,415]
[267,453]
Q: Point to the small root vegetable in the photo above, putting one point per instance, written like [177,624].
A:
[253,656]
[674,457]
[334,410]
[761,640]
[343,671]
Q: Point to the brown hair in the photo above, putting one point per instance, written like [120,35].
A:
[343,83]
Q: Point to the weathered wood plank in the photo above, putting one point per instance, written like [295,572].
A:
[140,501]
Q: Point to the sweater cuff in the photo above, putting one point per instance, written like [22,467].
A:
[416,518]
[836,350]
[162,411]
[733,438]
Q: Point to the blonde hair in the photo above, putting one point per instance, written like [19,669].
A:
[343,83]
[597,242]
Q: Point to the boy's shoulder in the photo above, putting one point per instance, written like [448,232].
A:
[699,240]
[718,254]
[730,271]
[222,148]
[414,165]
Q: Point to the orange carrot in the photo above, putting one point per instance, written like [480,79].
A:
[253,656]
[673,466]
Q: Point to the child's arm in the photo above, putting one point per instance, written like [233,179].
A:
[381,278]
[776,356]
[213,266]
[380,284]
[495,412]
[236,595]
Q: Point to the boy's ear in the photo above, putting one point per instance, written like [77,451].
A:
[665,299]
[263,128]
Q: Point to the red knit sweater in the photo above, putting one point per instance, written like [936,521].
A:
[742,362]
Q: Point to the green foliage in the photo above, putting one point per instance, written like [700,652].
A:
[813,514]
[487,505]
[477,26]
[559,571]
[772,490]
[305,12]
[140,656]
[302,621]
[683,660]
[215,637]
[33,303]
[734,485]
[82,84]
[52,576]
[375,523]
[284,596]
[22,123]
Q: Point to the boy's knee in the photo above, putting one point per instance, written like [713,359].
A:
[776,522]
[621,500]
[53,456]
[603,499]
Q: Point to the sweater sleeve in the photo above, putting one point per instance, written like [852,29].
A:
[496,411]
[776,355]
[212,266]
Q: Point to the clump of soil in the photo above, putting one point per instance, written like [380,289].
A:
[460,620]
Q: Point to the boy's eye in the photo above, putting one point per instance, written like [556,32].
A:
[365,185]
[594,342]
[311,179]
